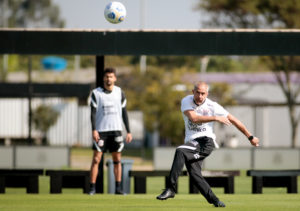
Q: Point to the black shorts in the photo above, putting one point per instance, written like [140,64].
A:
[112,141]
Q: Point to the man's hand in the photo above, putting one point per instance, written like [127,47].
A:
[128,138]
[223,119]
[96,135]
[255,142]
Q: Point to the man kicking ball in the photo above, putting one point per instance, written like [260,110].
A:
[199,114]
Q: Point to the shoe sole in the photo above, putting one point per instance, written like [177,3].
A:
[220,205]
[164,198]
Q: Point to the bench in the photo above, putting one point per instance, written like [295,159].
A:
[214,178]
[274,178]
[224,179]
[68,179]
[28,178]
[140,178]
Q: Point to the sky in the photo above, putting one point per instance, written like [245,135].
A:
[141,14]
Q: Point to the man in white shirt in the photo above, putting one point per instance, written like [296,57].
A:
[199,114]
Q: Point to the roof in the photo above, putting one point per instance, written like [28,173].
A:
[150,42]
[146,30]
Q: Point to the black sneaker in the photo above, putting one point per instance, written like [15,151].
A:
[167,193]
[219,204]
[119,192]
[92,191]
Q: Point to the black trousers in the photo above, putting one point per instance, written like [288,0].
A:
[192,155]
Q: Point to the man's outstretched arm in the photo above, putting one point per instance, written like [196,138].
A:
[241,127]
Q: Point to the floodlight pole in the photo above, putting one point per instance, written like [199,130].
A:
[143,58]
[99,82]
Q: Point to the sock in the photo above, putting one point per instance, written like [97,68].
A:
[92,186]
[118,185]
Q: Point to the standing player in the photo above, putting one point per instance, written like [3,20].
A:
[199,114]
[108,109]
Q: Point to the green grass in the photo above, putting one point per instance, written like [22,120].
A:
[273,199]
[16,199]
[132,202]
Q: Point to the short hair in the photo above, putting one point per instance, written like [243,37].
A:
[201,83]
[109,70]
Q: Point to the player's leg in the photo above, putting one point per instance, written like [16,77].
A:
[194,168]
[177,166]
[94,171]
[115,145]
[117,171]
[183,154]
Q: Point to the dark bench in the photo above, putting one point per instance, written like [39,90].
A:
[214,178]
[140,178]
[68,179]
[274,178]
[223,179]
[28,178]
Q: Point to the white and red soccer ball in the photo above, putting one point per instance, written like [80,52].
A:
[115,12]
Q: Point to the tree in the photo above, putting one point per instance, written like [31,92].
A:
[30,13]
[155,94]
[222,93]
[263,14]
[43,118]
[26,13]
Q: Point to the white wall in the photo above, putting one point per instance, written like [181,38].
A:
[270,124]
[22,157]
[239,158]
[13,118]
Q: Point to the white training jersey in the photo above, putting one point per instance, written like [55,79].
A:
[208,108]
[109,109]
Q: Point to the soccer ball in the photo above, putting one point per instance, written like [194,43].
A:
[115,12]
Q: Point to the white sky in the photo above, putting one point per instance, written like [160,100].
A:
[158,14]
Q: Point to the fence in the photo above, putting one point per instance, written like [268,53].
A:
[73,126]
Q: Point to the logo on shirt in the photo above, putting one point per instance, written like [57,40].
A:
[196,126]
[109,108]
[205,112]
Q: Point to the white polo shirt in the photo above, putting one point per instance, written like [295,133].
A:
[109,109]
[208,108]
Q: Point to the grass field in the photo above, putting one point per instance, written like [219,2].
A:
[273,199]
[238,202]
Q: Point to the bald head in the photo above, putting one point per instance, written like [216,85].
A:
[201,84]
